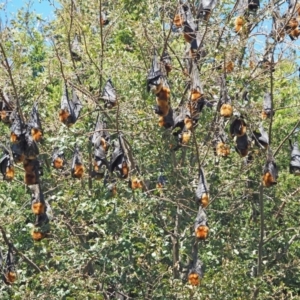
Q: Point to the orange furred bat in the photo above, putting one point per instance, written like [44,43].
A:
[201,225]
[34,124]
[194,279]
[270,174]
[222,149]
[195,273]
[9,272]
[226,110]
[202,232]
[202,194]
[163,100]
[77,169]
[238,24]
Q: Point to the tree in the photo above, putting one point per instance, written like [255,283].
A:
[141,243]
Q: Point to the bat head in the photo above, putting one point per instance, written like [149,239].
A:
[194,279]
[37,235]
[204,201]
[124,169]
[185,137]
[268,180]
[10,173]
[222,149]
[36,134]
[38,208]
[58,163]
[226,110]
[195,95]
[188,122]
[78,171]
[202,232]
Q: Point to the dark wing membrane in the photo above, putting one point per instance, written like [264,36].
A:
[77,105]
[202,187]
[34,121]
[109,92]
[116,157]
[155,73]
[31,148]
[201,219]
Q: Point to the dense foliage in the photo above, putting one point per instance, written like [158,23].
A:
[139,243]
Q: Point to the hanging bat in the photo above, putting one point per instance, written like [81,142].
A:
[9,273]
[101,136]
[75,49]
[195,273]
[17,128]
[31,150]
[220,140]
[241,145]
[154,78]
[109,95]
[182,120]
[37,200]
[167,121]
[167,62]
[103,19]
[58,160]
[44,218]
[70,109]
[77,169]
[201,225]
[225,107]
[295,158]
[202,193]
[205,8]
[189,26]
[163,99]
[270,173]
[161,182]
[196,91]
[261,138]
[196,49]
[278,29]
[33,171]
[34,124]
[5,108]
[267,107]
[237,128]
[18,151]
[101,141]
[253,4]
[118,160]
[7,166]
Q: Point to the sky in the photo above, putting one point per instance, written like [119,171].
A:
[8,8]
